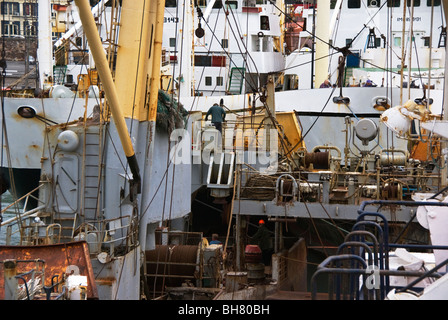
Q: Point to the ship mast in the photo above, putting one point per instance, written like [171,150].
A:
[321,43]
[102,66]
[444,170]
[44,50]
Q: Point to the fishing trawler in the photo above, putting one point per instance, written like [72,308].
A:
[233,48]
[129,227]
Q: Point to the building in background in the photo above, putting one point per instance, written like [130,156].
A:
[19,18]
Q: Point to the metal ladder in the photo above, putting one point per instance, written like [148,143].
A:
[236,80]
[92,168]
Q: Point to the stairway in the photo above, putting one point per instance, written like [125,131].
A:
[67,224]
[236,80]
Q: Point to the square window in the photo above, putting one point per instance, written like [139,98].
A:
[348,42]
[225,43]
[218,4]
[202,61]
[208,81]
[377,42]
[170,3]
[264,23]
[172,42]
[416,3]
[219,81]
[232,4]
[393,3]
[354,4]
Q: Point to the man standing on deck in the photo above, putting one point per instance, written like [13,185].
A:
[218,115]
[262,239]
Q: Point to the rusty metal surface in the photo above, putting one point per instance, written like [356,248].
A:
[57,258]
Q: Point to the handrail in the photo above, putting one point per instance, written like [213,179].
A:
[383,271]
[22,216]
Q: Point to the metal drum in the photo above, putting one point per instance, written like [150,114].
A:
[255,272]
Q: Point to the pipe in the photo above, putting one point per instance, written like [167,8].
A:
[102,66]
[322,39]
[444,145]
[45,48]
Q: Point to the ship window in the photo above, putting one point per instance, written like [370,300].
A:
[202,61]
[436,3]
[225,43]
[354,4]
[218,4]
[373,3]
[397,41]
[416,3]
[264,23]
[348,42]
[232,4]
[219,81]
[393,3]
[333,4]
[202,3]
[172,42]
[377,42]
[208,81]
[170,3]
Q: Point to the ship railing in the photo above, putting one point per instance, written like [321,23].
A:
[24,198]
[24,218]
[366,272]
[230,135]
[110,233]
[360,277]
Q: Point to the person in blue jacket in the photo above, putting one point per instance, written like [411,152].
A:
[218,115]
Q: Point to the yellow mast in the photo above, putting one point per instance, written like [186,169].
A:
[134,54]
[102,66]
[157,52]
